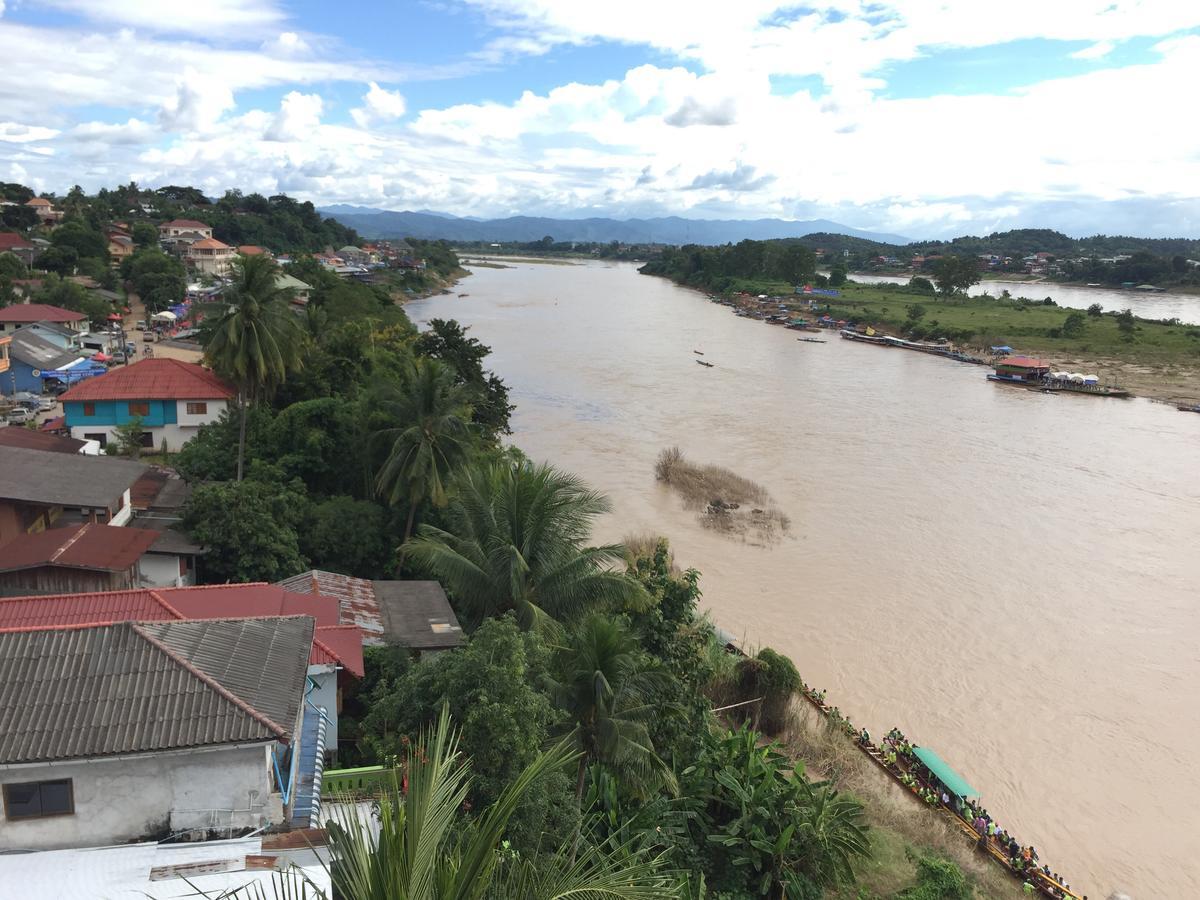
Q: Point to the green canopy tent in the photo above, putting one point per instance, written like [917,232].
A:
[955,783]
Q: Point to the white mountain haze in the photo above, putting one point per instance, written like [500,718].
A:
[426,224]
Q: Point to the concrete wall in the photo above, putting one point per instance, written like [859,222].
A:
[130,799]
[162,570]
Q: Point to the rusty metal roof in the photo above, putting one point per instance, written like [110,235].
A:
[104,690]
[413,613]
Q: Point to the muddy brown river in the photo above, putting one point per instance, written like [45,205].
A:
[1009,577]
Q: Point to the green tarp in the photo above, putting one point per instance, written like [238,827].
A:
[955,783]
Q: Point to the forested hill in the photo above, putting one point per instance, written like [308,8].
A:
[1019,242]
[279,223]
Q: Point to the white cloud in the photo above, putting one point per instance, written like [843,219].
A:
[198,102]
[379,105]
[1098,50]
[299,115]
[16,133]
[206,19]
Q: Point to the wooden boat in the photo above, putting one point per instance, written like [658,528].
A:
[810,340]
[865,338]
[703,363]
[1183,408]
[698,352]
[1070,387]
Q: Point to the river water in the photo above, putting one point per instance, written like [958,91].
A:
[1147,304]
[1010,577]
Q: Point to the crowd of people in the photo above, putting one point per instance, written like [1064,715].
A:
[896,751]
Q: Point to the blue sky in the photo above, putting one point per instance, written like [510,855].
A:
[923,117]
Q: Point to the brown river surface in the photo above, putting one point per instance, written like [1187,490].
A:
[1009,577]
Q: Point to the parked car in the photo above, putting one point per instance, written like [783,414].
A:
[46,404]
[141,326]
[19,415]
[148,337]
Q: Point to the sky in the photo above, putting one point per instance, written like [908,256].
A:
[928,118]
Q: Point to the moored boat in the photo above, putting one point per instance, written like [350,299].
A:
[865,338]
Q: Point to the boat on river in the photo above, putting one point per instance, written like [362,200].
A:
[878,339]
[1185,408]
[705,364]
[1035,375]
[813,341]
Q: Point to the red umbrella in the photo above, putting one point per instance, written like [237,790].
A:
[101,357]
[114,317]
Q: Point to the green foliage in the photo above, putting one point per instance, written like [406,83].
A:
[921,285]
[1125,323]
[144,234]
[447,341]
[12,267]
[765,827]
[937,879]
[249,529]
[514,542]
[158,279]
[18,217]
[321,442]
[955,274]
[610,692]
[1074,325]
[424,850]
[430,442]
[718,268]
[87,242]
[278,222]
[59,260]
[211,455]
[350,536]
[837,276]
[127,438]
[773,677]
[491,687]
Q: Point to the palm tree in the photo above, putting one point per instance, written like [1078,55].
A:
[515,543]
[432,440]
[423,851]
[253,338]
[607,689]
[833,832]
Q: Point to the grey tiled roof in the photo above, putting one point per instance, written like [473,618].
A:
[77,693]
[63,479]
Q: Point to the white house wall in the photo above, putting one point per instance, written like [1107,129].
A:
[121,800]
[325,695]
[162,570]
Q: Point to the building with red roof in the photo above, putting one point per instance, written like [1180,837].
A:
[87,557]
[40,440]
[21,314]
[336,653]
[46,213]
[18,247]
[208,256]
[173,399]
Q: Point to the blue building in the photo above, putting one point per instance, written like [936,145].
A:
[33,360]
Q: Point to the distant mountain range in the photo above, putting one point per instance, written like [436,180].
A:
[425,224]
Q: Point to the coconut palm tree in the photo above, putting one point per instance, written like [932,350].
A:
[423,849]
[430,443]
[607,689]
[515,543]
[252,338]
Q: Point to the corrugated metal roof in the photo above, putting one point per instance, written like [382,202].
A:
[78,693]
[355,597]
[34,350]
[89,546]
[413,613]
[61,479]
[224,601]
[156,378]
[262,662]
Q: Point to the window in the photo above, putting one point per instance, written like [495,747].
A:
[36,799]
[140,408]
[147,439]
[100,437]
[89,409]
[197,409]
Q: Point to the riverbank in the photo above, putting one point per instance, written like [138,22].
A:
[1157,360]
